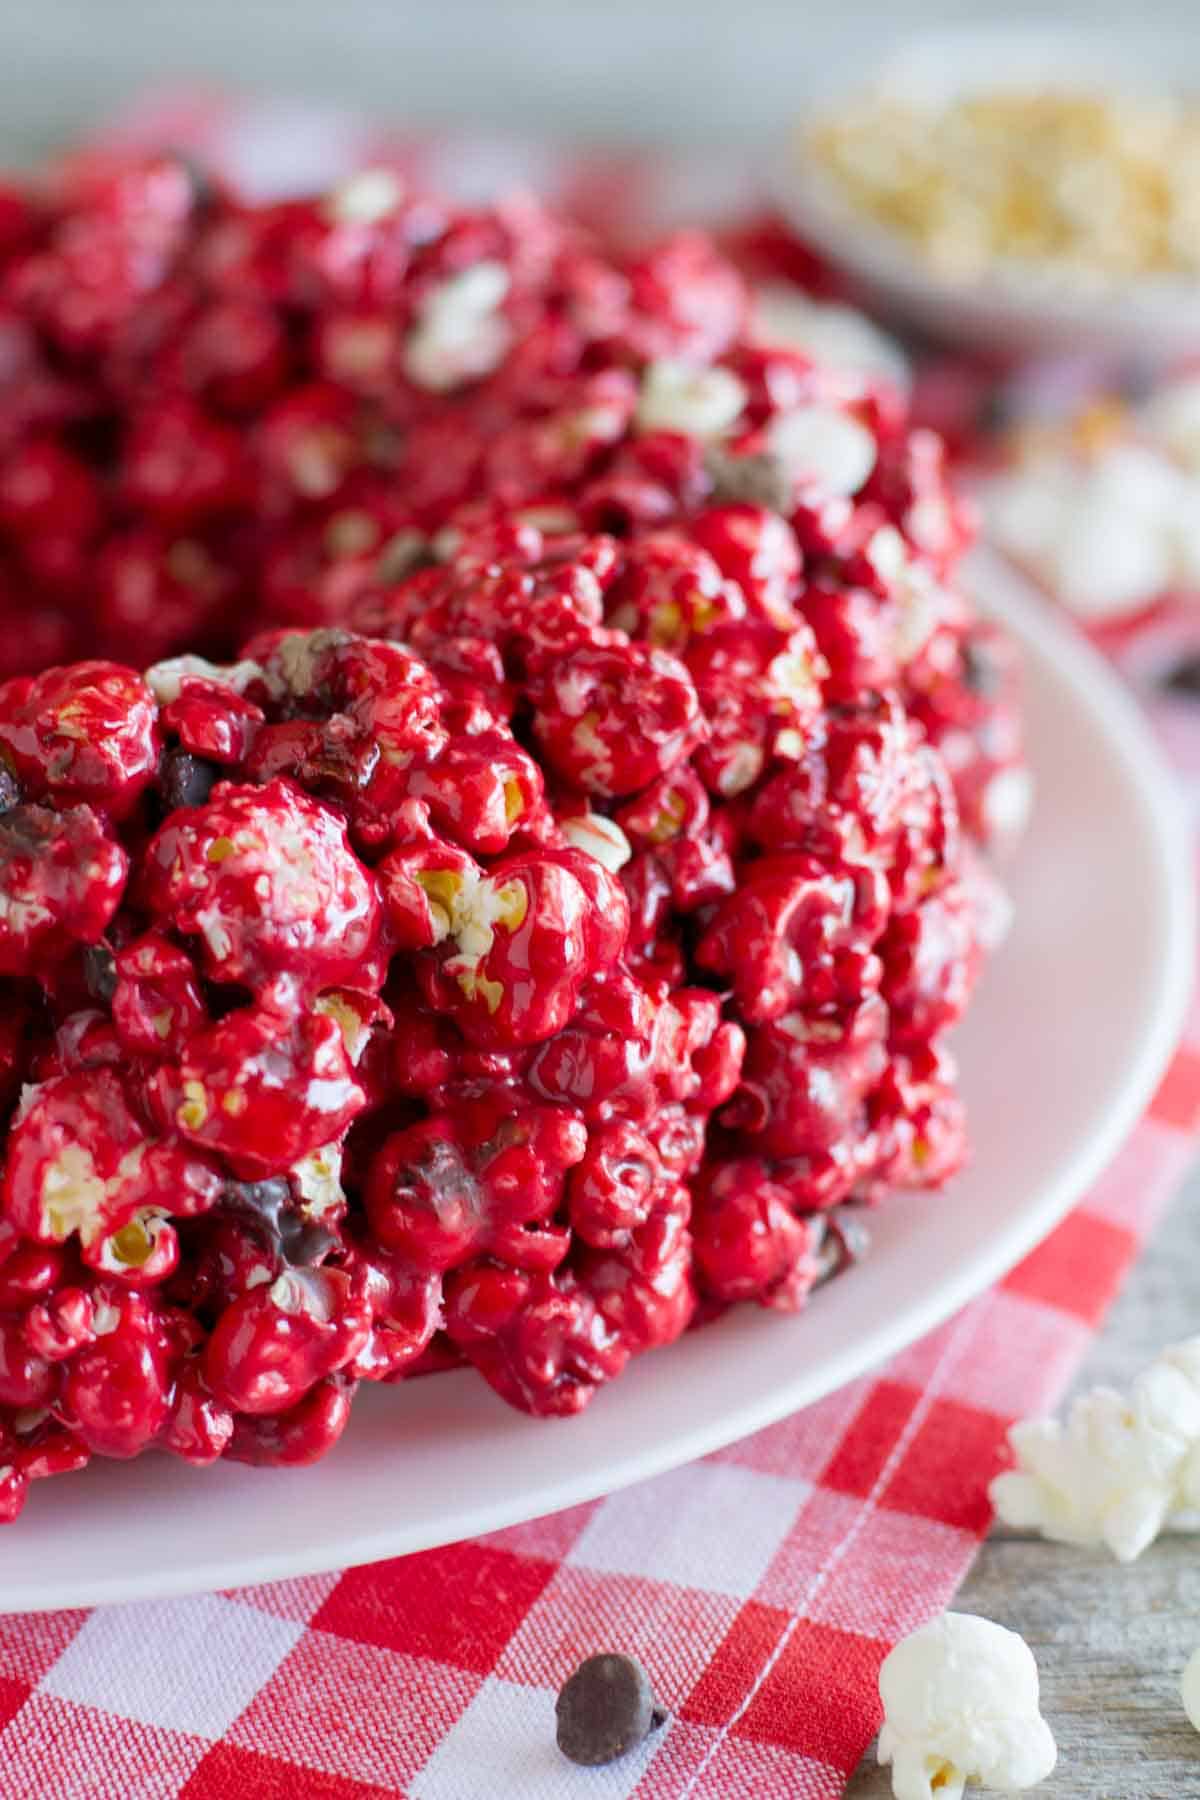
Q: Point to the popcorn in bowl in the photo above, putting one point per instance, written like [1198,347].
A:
[1076,181]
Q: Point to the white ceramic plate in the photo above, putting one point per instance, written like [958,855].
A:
[1022,309]
[1070,1031]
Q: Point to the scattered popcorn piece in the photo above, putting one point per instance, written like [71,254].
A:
[960,1701]
[1189,1689]
[1119,1469]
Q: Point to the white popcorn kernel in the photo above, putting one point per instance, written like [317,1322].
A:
[836,337]
[105,1318]
[740,770]
[75,1197]
[462,333]
[600,838]
[1189,1689]
[302,1292]
[365,198]
[135,1243]
[1119,1469]
[355,1030]
[825,446]
[678,396]
[960,1700]
[318,1178]
[165,679]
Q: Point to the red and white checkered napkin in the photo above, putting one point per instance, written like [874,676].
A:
[761,1587]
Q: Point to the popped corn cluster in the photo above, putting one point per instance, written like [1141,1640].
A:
[550,923]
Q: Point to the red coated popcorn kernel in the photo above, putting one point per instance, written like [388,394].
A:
[155,997]
[523,902]
[265,882]
[610,720]
[86,733]
[267,1086]
[794,934]
[513,947]
[61,880]
[539,1342]
[81,1162]
[116,1393]
[441,1191]
[275,1343]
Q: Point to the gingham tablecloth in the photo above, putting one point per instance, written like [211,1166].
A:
[761,1587]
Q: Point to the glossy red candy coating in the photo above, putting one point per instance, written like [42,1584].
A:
[552,918]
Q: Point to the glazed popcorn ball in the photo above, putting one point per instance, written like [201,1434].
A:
[520,905]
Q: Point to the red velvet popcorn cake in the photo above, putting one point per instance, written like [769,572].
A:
[522,900]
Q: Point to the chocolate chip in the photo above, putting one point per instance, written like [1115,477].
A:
[204,190]
[10,789]
[605,1709]
[269,1207]
[845,1242]
[979,668]
[758,480]
[1184,678]
[185,780]
[100,972]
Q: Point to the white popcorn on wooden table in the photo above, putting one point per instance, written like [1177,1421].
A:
[1189,1689]
[961,1704]
[1119,1469]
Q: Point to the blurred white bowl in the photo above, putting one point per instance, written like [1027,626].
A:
[1023,307]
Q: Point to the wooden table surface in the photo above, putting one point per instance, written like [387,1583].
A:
[1110,1640]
